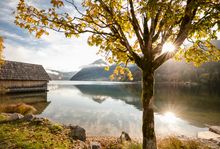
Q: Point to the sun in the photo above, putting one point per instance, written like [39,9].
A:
[169,117]
[168,47]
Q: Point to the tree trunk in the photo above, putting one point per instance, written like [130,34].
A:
[149,137]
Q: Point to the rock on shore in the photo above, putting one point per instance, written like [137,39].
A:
[215,129]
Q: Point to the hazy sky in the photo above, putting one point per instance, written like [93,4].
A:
[53,51]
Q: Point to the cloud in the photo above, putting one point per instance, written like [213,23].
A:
[53,51]
[7,7]
[11,35]
[61,56]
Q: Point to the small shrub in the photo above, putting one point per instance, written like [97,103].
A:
[17,108]
[25,109]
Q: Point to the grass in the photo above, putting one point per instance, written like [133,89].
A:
[48,135]
[166,143]
[134,146]
[3,117]
[176,143]
[32,135]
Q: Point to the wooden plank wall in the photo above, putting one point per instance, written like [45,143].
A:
[21,84]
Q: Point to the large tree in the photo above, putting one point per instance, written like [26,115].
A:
[134,31]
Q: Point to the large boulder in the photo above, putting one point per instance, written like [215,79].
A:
[77,133]
[207,135]
[124,137]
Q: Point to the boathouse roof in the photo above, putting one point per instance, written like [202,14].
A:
[11,70]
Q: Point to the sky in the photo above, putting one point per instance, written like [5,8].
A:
[53,51]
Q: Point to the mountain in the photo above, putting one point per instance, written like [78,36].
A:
[172,71]
[58,75]
[92,73]
[96,72]
[99,62]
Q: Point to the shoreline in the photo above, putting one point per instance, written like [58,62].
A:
[62,132]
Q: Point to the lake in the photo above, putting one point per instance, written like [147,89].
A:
[108,108]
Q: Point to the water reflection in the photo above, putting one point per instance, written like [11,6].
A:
[37,100]
[109,117]
[129,93]
[169,117]
[197,105]
[106,108]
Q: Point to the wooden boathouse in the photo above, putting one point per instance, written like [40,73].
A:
[18,77]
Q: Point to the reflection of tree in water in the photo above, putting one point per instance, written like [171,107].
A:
[129,93]
[37,100]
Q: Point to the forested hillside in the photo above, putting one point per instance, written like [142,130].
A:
[172,71]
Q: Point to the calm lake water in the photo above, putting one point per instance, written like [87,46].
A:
[107,108]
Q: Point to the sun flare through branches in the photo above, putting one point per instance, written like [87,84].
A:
[168,47]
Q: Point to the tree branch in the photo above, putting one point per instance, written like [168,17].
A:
[136,25]
[123,39]
[185,26]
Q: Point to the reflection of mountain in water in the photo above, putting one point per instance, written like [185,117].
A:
[195,104]
[99,99]
[129,93]
[38,100]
